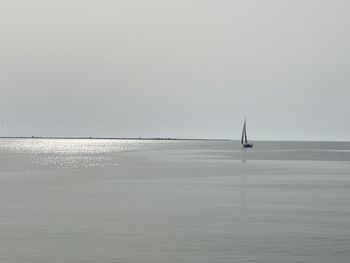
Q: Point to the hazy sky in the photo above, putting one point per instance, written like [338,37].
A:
[179,68]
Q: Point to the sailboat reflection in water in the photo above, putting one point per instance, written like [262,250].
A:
[244,140]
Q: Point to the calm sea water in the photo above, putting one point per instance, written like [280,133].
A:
[173,201]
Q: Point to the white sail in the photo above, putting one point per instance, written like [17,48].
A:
[243,133]
[244,138]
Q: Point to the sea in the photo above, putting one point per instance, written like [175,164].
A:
[149,201]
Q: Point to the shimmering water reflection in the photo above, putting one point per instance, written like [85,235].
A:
[24,154]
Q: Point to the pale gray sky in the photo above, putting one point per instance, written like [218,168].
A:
[179,68]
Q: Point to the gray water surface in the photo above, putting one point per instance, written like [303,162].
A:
[173,201]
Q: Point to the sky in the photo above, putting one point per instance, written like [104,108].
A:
[184,68]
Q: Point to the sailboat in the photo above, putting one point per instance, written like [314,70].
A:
[244,140]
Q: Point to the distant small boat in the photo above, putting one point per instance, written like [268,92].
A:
[244,140]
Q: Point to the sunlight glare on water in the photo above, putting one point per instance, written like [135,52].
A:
[71,146]
[65,153]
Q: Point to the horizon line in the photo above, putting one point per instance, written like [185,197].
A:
[159,139]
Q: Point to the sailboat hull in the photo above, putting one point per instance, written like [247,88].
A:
[247,145]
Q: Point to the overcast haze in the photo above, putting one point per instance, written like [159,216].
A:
[191,68]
